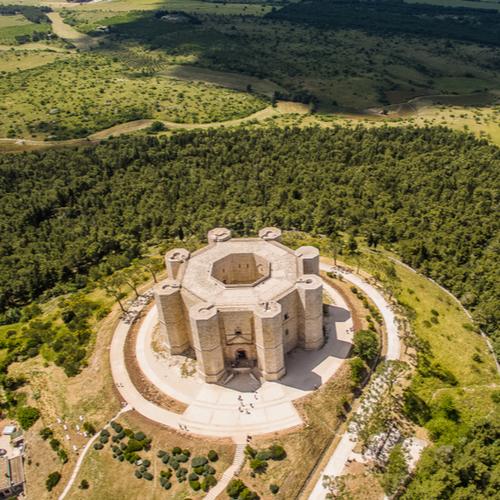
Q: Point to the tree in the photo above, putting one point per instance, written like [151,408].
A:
[52,480]
[27,416]
[152,265]
[133,279]
[396,470]
[366,345]
[336,487]
[113,288]
[352,245]
[358,370]
[84,484]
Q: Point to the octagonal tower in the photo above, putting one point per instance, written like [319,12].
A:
[241,303]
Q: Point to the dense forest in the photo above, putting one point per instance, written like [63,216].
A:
[431,194]
[396,17]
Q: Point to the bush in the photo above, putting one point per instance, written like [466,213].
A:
[63,456]
[277,452]
[116,427]
[198,461]
[167,485]
[27,416]
[54,444]
[274,488]
[250,452]
[89,428]
[52,480]
[258,465]
[105,433]
[193,476]
[46,433]
[133,445]
[195,485]
[199,470]
[98,446]
[358,370]
[263,455]
[181,458]
[176,450]
[166,458]
[213,456]
[161,453]
[138,474]
[235,487]
[139,436]
[84,485]
[186,452]
[104,439]
[366,345]
[146,463]
[173,463]
[157,126]
[147,476]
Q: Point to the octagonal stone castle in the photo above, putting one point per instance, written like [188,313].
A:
[241,303]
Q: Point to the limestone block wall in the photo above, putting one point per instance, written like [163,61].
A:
[207,344]
[171,316]
[290,314]
[310,291]
[269,340]
[241,321]
[308,260]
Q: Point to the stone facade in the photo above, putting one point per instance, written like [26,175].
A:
[241,303]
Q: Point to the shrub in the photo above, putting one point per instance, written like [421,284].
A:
[250,452]
[105,433]
[198,461]
[52,480]
[213,456]
[167,485]
[274,488]
[161,453]
[139,436]
[277,452]
[235,487]
[27,416]
[209,469]
[193,476]
[46,433]
[84,485]
[181,471]
[366,345]
[258,465]
[173,463]
[133,445]
[263,455]
[138,474]
[358,370]
[54,444]
[129,432]
[116,427]
[195,485]
[147,476]
[89,428]
[199,470]
[63,456]
[176,450]
[146,463]
[98,446]
[166,473]
[104,439]
[157,126]
[186,452]
[181,458]
[166,458]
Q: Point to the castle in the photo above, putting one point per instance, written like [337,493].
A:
[241,303]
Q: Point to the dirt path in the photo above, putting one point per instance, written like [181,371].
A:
[68,33]
[282,108]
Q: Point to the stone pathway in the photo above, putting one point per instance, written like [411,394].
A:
[344,449]
[231,471]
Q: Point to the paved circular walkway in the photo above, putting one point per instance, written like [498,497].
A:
[243,406]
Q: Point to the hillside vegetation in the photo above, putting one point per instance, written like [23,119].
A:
[428,193]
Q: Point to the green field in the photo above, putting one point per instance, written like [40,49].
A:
[76,97]
[18,26]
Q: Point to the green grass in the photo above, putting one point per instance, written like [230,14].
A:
[20,60]
[80,96]
[14,26]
